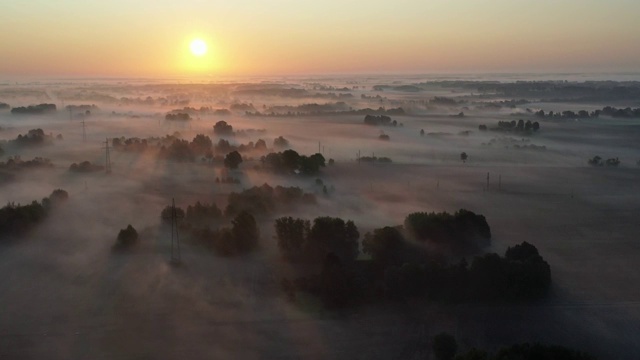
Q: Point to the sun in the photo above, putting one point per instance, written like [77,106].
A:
[198,47]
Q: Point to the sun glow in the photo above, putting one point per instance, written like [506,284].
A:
[198,47]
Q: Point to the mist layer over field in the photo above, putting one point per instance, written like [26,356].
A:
[66,294]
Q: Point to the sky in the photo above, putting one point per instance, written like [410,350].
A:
[150,38]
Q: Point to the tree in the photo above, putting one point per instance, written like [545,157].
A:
[58,196]
[202,143]
[528,125]
[595,161]
[222,128]
[334,282]
[421,132]
[245,232]
[291,234]
[232,160]
[536,125]
[260,145]
[310,165]
[334,235]
[280,142]
[444,346]
[384,245]
[463,157]
[290,160]
[127,237]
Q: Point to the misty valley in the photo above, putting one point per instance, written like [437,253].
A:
[367,217]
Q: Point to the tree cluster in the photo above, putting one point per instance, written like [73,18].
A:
[85,167]
[224,146]
[266,199]
[521,275]
[379,120]
[241,238]
[598,161]
[461,232]
[513,126]
[232,160]
[16,163]
[445,347]
[34,109]
[130,144]
[299,240]
[177,117]
[127,237]
[16,219]
[33,137]
[608,111]
[280,143]
[402,267]
[221,128]
[289,161]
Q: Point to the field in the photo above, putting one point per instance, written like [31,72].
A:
[65,294]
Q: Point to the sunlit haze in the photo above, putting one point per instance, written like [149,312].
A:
[151,38]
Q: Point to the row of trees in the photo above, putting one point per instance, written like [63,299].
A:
[33,137]
[460,232]
[379,120]
[265,200]
[200,220]
[598,161]
[85,167]
[401,266]
[520,126]
[34,109]
[445,347]
[16,163]
[16,219]
[584,114]
[177,117]
[242,237]
[298,240]
[521,275]
[289,161]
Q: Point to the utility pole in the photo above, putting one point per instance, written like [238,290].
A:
[175,240]
[487,181]
[84,132]
[107,167]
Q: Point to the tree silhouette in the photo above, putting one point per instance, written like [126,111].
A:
[444,346]
[232,160]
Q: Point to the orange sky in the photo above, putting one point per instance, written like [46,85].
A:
[280,37]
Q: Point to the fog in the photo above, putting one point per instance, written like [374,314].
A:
[66,293]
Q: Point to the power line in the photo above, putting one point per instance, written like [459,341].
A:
[107,166]
[175,239]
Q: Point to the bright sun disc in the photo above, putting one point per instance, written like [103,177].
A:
[198,47]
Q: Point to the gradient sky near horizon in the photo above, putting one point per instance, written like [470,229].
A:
[150,38]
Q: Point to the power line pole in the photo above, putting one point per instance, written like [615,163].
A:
[107,167]
[175,239]
[84,132]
